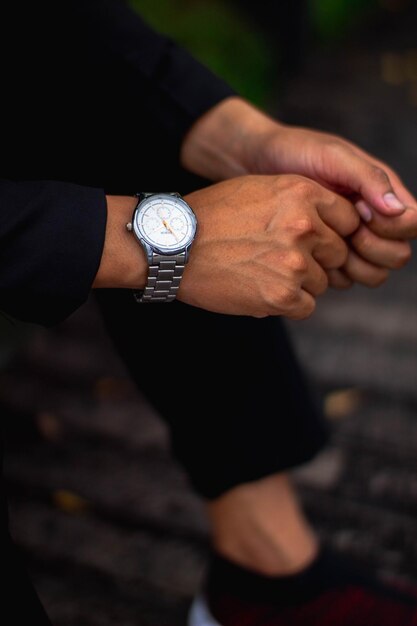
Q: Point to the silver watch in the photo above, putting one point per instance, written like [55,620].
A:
[165,225]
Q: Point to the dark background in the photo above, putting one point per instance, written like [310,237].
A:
[110,527]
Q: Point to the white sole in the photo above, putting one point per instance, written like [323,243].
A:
[199,614]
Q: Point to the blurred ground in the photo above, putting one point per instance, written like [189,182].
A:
[110,527]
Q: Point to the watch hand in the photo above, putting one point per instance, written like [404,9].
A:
[170,229]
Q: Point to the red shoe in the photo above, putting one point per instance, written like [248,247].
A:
[331,592]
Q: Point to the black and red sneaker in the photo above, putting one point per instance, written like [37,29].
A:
[331,592]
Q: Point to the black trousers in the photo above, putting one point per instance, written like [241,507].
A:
[230,388]
[236,401]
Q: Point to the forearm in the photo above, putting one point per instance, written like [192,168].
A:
[223,143]
[123,263]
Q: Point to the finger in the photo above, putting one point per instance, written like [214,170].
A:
[365,211]
[330,250]
[399,187]
[401,227]
[316,281]
[338,213]
[401,191]
[375,181]
[374,185]
[364,273]
[390,254]
[305,306]
[338,279]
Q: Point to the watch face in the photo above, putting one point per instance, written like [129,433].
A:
[166,223]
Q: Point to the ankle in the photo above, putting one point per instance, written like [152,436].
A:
[260,526]
[269,556]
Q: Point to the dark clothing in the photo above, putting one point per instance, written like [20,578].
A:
[89,83]
[83,82]
[51,241]
[248,416]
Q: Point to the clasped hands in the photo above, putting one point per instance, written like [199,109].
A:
[296,211]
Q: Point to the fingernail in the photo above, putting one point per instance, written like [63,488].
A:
[364,211]
[393,202]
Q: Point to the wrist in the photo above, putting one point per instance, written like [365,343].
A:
[226,141]
[123,263]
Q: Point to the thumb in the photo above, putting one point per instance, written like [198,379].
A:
[375,188]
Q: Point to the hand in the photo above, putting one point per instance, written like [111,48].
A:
[235,138]
[376,248]
[379,246]
[380,199]
[337,164]
[264,244]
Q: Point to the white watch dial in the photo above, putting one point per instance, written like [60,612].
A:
[166,223]
[163,210]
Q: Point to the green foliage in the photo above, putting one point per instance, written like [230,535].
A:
[218,36]
[332,19]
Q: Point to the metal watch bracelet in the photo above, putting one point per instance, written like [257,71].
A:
[164,277]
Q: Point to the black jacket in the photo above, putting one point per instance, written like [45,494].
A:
[85,84]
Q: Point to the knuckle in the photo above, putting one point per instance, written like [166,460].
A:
[378,175]
[289,296]
[336,148]
[272,303]
[302,186]
[304,226]
[345,219]
[306,310]
[297,262]
[339,152]
[281,300]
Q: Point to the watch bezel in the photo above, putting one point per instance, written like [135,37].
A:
[141,234]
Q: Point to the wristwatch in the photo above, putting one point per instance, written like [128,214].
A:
[165,225]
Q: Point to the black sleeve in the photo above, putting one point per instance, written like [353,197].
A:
[176,88]
[51,241]
[86,79]
[93,51]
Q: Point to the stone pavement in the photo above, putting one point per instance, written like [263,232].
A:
[112,531]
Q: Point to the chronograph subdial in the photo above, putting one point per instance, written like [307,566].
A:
[178,225]
[163,211]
